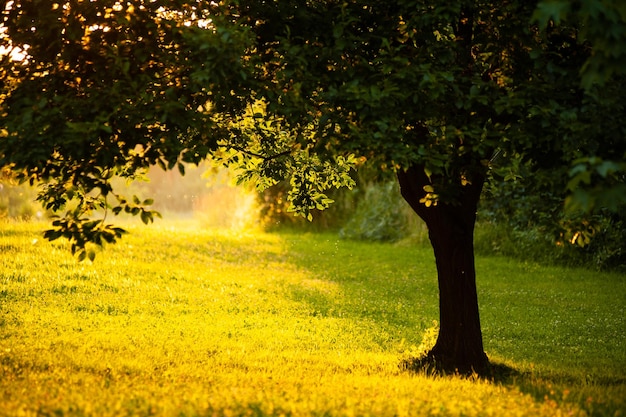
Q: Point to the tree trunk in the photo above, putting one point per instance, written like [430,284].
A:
[459,346]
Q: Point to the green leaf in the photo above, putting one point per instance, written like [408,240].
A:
[146,217]
[607,167]
[52,234]
[547,10]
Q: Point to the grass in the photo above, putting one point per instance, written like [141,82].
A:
[181,321]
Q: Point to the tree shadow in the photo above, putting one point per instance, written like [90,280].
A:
[506,375]
[372,282]
[427,365]
[542,386]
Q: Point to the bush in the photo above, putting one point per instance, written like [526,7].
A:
[524,220]
[381,215]
[605,249]
[274,214]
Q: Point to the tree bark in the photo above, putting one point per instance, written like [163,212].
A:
[459,346]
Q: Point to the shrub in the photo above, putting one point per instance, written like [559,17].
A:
[381,215]
[511,225]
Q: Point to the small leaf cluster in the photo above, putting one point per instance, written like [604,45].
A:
[77,224]
[266,148]
[137,207]
[81,231]
[312,177]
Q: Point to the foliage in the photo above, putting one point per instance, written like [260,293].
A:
[598,247]
[379,216]
[597,173]
[600,24]
[275,214]
[587,195]
[200,322]
[289,90]
[522,215]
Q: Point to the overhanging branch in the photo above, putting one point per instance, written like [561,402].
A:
[257,155]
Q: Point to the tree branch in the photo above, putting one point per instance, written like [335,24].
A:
[257,155]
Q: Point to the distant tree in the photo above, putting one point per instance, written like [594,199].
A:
[436,91]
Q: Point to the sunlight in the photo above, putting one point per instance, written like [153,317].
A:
[7,48]
[321,286]
[188,321]
[15,53]
[225,205]
[205,195]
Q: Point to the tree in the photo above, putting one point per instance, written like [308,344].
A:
[308,90]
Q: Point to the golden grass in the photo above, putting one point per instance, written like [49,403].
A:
[177,321]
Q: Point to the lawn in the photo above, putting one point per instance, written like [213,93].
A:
[180,321]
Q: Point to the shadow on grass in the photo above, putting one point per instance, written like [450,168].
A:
[426,365]
[395,290]
[579,390]
[504,374]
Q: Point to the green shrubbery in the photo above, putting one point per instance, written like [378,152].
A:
[603,252]
[380,214]
[524,220]
[510,226]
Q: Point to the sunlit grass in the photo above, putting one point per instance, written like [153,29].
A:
[183,321]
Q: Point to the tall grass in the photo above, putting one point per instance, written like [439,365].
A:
[182,321]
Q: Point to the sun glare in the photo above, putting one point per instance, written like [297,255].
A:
[7,48]
[205,196]
[16,54]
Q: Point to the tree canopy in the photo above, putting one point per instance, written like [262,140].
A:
[285,87]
